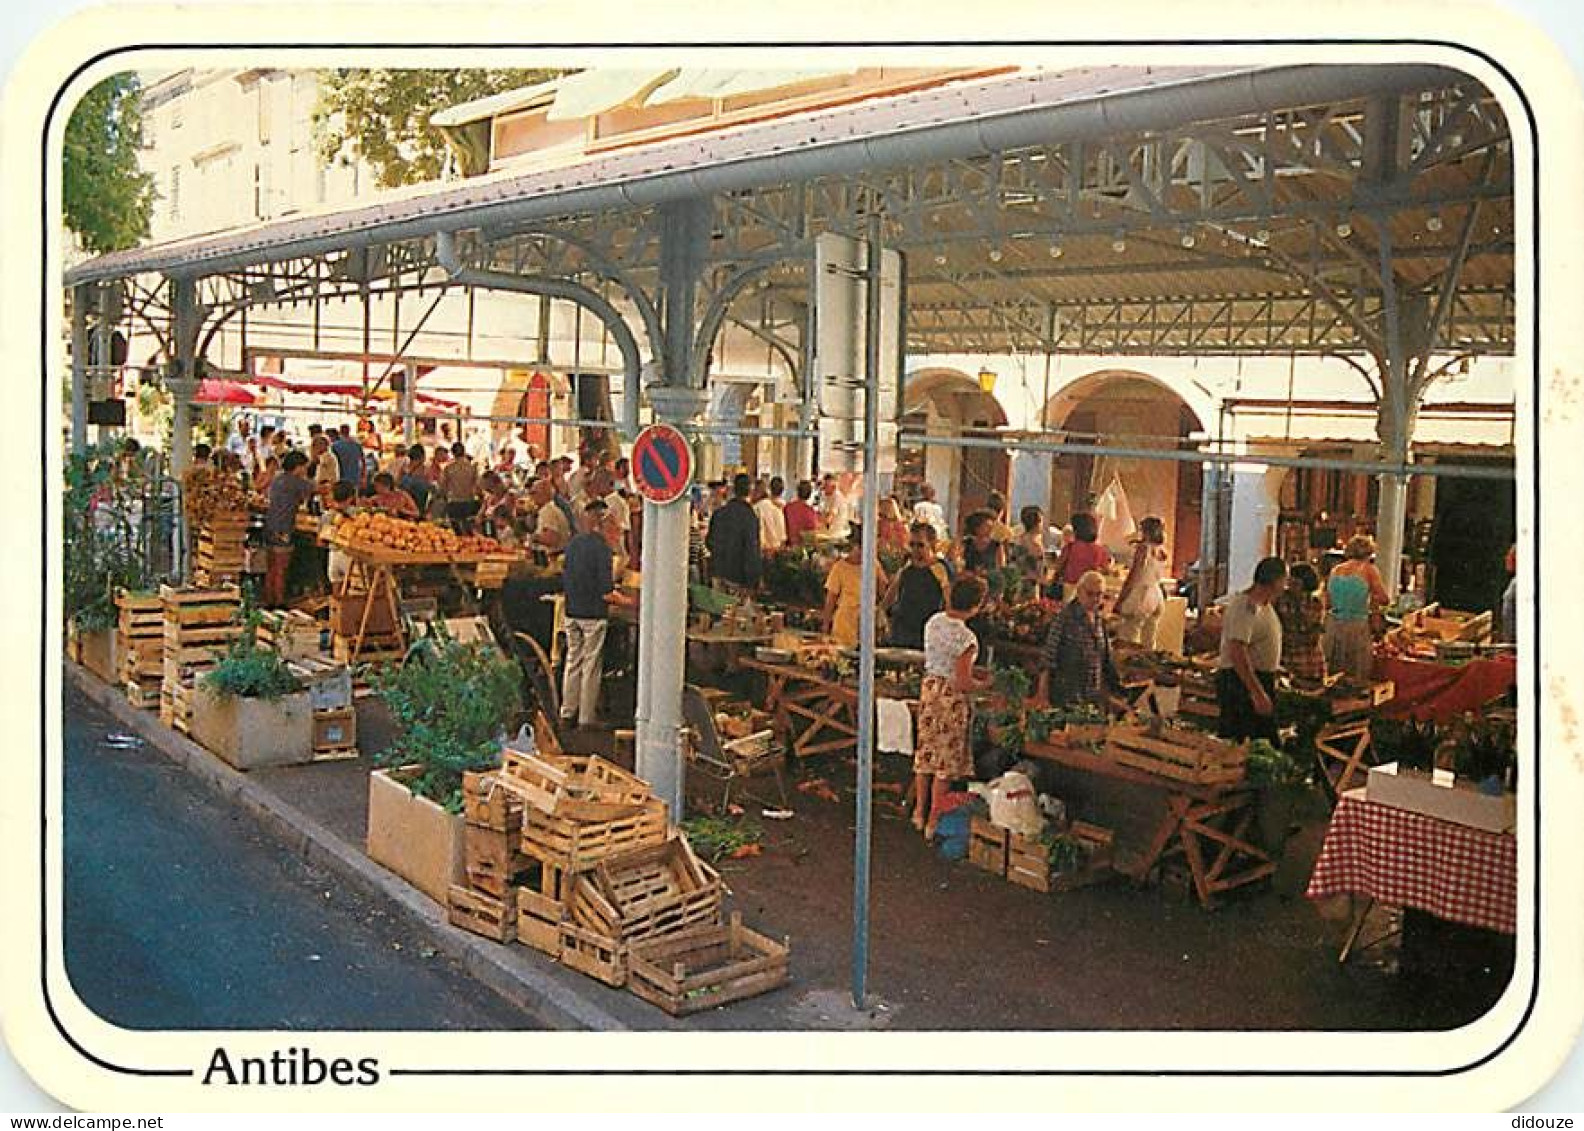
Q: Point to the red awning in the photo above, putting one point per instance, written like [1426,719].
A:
[337,388]
[213,391]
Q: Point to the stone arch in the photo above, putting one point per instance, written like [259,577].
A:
[945,401]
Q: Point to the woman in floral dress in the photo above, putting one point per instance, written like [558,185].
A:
[942,752]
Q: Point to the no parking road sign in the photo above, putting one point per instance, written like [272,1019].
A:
[662,464]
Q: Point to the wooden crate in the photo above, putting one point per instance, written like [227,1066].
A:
[576,846]
[591,953]
[292,633]
[644,894]
[486,803]
[494,917]
[143,694]
[1178,754]
[705,967]
[492,857]
[329,684]
[335,731]
[376,649]
[579,787]
[1028,862]
[987,846]
[542,907]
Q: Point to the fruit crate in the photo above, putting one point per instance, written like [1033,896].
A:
[494,917]
[573,786]
[591,953]
[705,967]
[644,894]
[493,858]
[335,734]
[486,803]
[987,846]
[576,846]
[542,907]
[1178,754]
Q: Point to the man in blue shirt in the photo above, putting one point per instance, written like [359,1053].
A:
[589,589]
[349,456]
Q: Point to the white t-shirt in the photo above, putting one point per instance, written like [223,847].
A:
[927,510]
[945,638]
[839,512]
[772,525]
[1254,625]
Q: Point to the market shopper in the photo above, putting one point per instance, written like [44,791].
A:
[1139,604]
[981,553]
[326,470]
[349,457]
[1078,666]
[459,487]
[928,510]
[918,591]
[942,752]
[892,531]
[550,530]
[391,499]
[1354,590]
[801,518]
[837,511]
[1251,650]
[733,538]
[588,584]
[1507,608]
[1082,554]
[290,489]
[844,591]
[1302,620]
[414,481]
[1027,550]
[772,518]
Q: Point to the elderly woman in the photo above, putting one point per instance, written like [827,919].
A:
[1078,667]
[1353,591]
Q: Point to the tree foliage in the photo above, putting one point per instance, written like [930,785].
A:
[105,195]
[383,115]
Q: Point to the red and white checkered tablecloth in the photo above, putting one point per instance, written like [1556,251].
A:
[1407,859]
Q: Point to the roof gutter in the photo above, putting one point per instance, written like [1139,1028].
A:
[593,301]
[955,124]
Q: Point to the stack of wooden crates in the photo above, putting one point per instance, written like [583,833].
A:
[1026,860]
[222,548]
[291,633]
[199,625]
[329,687]
[575,857]
[140,647]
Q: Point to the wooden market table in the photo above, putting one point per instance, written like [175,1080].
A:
[371,578]
[827,709]
[1408,859]
[1206,823]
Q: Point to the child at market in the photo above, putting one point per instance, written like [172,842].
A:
[942,752]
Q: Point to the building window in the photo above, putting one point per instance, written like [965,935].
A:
[174,199]
[263,93]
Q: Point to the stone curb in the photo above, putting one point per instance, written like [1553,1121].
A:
[515,977]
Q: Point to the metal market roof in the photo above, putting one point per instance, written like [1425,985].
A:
[1124,209]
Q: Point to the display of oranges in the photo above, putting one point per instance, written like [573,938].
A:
[373,530]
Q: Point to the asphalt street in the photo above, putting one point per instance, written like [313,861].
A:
[180,913]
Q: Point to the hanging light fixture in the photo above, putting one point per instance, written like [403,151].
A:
[995,255]
[1187,238]
[1344,227]
[1119,241]
[987,380]
[1433,222]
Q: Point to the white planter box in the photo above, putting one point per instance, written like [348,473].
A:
[250,733]
[1443,797]
[412,836]
[98,651]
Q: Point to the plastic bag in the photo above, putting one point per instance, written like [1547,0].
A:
[1014,804]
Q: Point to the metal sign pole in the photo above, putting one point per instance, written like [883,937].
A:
[866,621]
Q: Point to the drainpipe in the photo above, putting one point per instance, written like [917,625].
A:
[591,300]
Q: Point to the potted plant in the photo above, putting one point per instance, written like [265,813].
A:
[451,704]
[250,710]
[106,515]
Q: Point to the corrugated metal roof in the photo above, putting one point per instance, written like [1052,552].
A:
[405,213]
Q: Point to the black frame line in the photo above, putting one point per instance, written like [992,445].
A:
[45,433]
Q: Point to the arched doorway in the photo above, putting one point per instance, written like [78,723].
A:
[1125,408]
[948,402]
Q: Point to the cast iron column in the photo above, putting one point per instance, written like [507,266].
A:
[79,368]
[662,635]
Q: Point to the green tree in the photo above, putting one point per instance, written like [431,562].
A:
[383,115]
[105,195]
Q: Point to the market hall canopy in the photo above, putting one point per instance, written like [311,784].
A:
[1127,210]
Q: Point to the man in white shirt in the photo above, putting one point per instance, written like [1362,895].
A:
[772,522]
[551,529]
[928,510]
[1251,646]
[836,507]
